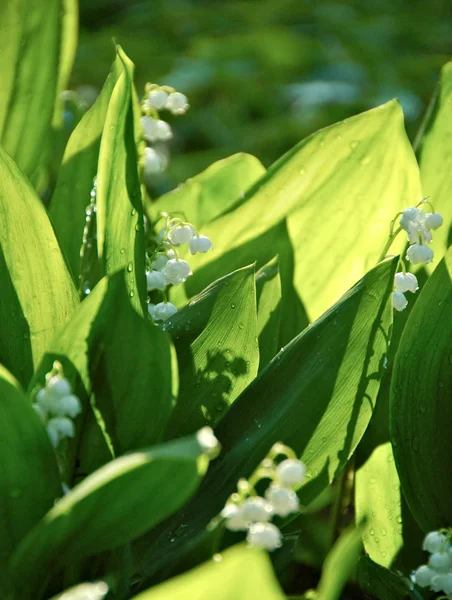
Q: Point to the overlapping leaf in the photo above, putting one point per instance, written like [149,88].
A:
[108,509]
[421,410]
[268,290]
[38,295]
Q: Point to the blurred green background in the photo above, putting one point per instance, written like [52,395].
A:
[262,74]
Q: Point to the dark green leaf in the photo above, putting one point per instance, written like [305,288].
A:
[268,290]
[382,584]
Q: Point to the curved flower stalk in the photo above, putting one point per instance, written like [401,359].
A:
[437,573]
[418,226]
[155,130]
[165,267]
[246,511]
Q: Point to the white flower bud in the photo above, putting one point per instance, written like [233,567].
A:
[208,442]
[440,561]
[154,162]
[163,131]
[257,509]
[176,271]
[399,302]
[41,412]
[59,428]
[264,535]
[163,311]
[235,521]
[69,406]
[157,99]
[45,400]
[177,103]
[290,472]
[58,387]
[408,215]
[283,500]
[434,542]
[405,282]
[442,583]
[423,576]
[149,126]
[182,234]
[433,221]
[155,280]
[417,254]
[200,243]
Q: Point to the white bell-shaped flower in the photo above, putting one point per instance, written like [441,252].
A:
[58,386]
[177,103]
[257,509]
[434,541]
[151,310]
[442,583]
[234,519]
[149,126]
[164,131]
[160,261]
[59,428]
[155,280]
[406,282]
[399,302]
[284,500]
[423,576]
[208,442]
[440,562]
[408,215]
[290,472]
[264,535]
[157,99]
[419,254]
[182,234]
[41,412]
[69,406]
[200,243]
[433,221]
[163,311]
[176,271]
[45,400]
[154,162]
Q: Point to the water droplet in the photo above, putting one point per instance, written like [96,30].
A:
[137,227]
[241,326]
[302,171]
[354,144]
[133,212]
[399,519]
[217,557]
[372,532]
[131,294]
[233,305]
[365,160]
[219,406]
[122,250]
[130,267]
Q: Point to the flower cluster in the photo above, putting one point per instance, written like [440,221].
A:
[159,98]
[164,265]
[57,406]
[437,574]
[419,226]
[247,511]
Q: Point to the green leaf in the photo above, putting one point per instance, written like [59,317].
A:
[339,565]
[38,295]
[339,189]
[29,478]
[120,223]
[268,291]
[317,396]
[382,584]
[216,344]
[209,194]
[29,36]
[241,573]
[435,161]
[75,181]
[421,410]
[120,501]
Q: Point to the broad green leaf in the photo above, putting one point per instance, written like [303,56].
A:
[209,194]
[317,396]
[339,565]
[120,501]
[435,161]
[339,190]
[120,223]
[75,181]
[221,358]
[239,573]
[382,584]
[268,291]
[29,37]
[421,410]
[38,295]
[29,478]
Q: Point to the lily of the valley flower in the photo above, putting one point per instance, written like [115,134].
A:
[200,243]
[176,271]
[419,254]
[177,103]
[162,311]
[264,535]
